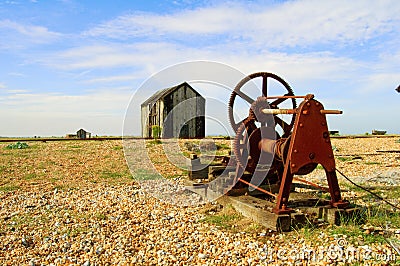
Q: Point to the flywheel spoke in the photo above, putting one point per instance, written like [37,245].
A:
[278,101]
[244,96]
[265,87]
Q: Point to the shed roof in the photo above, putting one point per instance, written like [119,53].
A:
[164,92]
[82,130]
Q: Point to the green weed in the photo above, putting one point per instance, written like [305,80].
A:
[224,220]
[372,163]
[117,148]
[8,188]
[110,174]
[223,146]
[344,159]
[30,176]
[18,145]
[144,174]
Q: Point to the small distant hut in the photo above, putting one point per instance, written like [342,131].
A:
[83,134]
[378,132]
[179,111]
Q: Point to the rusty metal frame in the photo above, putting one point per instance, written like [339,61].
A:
[309,144]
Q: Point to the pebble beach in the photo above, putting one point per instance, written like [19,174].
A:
[96,222]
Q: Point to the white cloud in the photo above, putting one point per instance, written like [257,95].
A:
[112,79]
[140,56]
[148,58]
[16,91]
[289,24]
[16,74]
[99,102]
[380,82]
[200,21]
[2,86]
[16,35]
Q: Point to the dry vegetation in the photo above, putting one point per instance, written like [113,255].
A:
[62,164]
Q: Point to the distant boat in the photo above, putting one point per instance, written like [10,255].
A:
[378,132]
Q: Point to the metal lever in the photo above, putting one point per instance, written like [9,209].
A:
[293,111]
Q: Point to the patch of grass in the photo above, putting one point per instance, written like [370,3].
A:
[11,187]
[354,233]
[253,228]
[183,174]
[186,154]
[30,176]
[380,217]
[144,174]
[226,219]
[46,164]
[348,230]
[392,193]
[223,146]
[100,216]
[23,219]
[372,163]
[110,174]
[309,232]
[18,145]
[154,142]
[344,159]
[375,216]
[75,147]
[326,196]
[117,148]
[351,187]
[77,231]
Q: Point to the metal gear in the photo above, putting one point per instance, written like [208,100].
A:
[240,143]
[264,75]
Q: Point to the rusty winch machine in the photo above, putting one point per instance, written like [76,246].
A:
[273,156]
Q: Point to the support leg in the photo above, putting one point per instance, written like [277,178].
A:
[284,191]
[334,190]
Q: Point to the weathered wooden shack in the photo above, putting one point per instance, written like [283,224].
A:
[83,134]
[179,111]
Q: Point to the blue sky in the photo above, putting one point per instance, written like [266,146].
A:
[68,64]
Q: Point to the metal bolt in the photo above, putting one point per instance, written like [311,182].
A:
[311,155]
[330,155]
[295,151]
[293,165]
[317,103]
[308,104]
[301,125]
[323,124]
